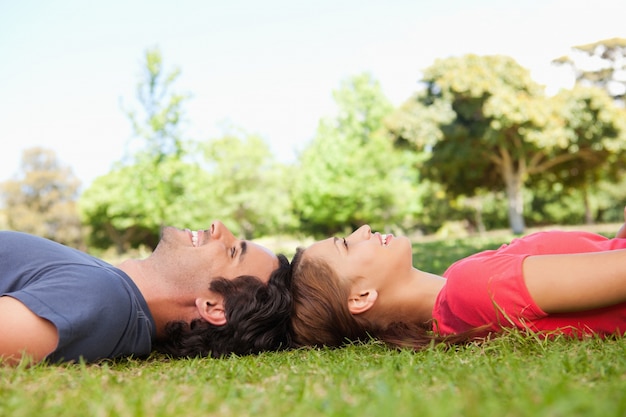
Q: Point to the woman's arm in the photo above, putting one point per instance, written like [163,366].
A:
[23,333]
[576,282]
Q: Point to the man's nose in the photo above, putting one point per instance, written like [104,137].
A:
[220,231]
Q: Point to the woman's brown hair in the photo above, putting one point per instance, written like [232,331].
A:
[320,314]
[321,317]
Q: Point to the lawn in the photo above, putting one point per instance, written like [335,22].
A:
[514,375]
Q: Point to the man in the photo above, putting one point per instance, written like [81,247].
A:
[198,293]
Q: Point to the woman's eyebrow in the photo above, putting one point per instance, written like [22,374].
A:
[335,240]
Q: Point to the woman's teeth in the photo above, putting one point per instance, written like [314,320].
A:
[194,238]
[383,238]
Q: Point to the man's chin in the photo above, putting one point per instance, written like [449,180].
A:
[173,234]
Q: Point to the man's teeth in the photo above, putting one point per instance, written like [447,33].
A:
[194,237]
[383,238]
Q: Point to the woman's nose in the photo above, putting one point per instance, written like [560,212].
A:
[364,232]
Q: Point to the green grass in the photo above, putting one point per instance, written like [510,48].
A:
[514,375]
[511,376]
[436,256]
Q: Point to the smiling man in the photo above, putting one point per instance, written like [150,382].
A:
[200,293]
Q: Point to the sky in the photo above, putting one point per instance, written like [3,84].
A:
[68,68]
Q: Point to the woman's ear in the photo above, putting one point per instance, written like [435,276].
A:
[360,302]
[211,309]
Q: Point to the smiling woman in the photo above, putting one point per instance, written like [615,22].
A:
[365,285]
[346,289]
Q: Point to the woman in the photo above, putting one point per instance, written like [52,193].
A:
[365,285]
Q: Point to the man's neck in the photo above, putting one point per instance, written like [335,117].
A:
[166,304]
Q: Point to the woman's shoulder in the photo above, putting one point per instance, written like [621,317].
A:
[559,242]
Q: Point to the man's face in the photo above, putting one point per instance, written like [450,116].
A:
[214,252]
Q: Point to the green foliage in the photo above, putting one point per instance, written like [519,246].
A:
[495,102]
[499,132]
[127,207]
[248,189]
[479,146]
[42,200]
[608,56]
[491,106]
[552,203]
[159,121]
[605,198]
[350,174]
[594,131]
[166,182]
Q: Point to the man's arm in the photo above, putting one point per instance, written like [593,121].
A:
[576,282]
[23,333]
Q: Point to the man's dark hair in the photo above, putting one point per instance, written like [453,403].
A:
[257,319]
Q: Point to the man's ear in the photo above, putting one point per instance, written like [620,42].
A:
[361,301]
[211,309]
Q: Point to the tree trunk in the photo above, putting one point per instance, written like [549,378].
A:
[515,198]
[478,218]
[588,210]
[476,204]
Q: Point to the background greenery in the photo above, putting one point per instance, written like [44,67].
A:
[478,146]
[514,375]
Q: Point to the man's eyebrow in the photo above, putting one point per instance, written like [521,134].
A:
[242,252]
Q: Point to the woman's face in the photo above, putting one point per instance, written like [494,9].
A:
[365,254]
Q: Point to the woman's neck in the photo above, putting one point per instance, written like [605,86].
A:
[409,300]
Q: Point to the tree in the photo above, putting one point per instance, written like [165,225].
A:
[110,209]
[42,200]
[154,173]
[160,131]
[600,64]
[487,125]
[349,174]
[249,189]
[122,214]
[158,125]
[605,67]
[595,131]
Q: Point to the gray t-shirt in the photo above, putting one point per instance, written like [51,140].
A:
[97,309]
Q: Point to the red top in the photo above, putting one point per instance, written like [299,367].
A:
[488,289]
